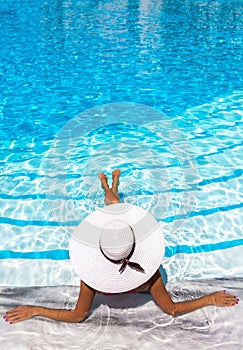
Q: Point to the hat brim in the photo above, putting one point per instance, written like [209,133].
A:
[96,270]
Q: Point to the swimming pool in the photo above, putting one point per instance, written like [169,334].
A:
[152,87]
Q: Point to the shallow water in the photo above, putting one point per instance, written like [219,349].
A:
[133,320]
[197,198]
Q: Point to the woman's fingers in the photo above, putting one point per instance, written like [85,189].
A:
[12,316]
[19,314]
[225,299]
[232,299]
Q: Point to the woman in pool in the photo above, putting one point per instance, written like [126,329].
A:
[120,261]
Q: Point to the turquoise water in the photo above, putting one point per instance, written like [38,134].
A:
[152,88]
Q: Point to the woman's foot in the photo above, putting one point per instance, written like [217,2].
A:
[115,181]
[103,180]
[110,196]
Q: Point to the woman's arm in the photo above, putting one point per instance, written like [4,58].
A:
[162,299]
[80,312]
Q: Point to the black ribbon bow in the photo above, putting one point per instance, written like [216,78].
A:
[133,265]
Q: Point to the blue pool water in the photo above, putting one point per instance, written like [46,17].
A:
[152,87]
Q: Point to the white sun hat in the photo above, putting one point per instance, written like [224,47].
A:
[117,248]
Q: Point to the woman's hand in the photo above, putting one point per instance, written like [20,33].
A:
[83,306]
[20,313]
[163,299]
[223,299]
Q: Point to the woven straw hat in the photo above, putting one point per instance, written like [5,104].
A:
[117,248]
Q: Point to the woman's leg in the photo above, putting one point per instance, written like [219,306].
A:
[115,181]
[110,196]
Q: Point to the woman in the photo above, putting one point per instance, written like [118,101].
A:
[121,253]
